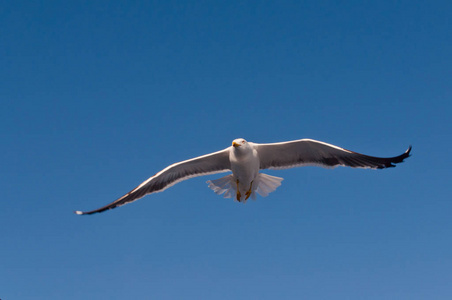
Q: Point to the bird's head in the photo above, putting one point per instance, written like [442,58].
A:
[237,143]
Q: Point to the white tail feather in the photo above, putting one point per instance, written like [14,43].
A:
[224,185]
[263,184]
[267,184]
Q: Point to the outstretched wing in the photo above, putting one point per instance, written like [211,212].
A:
[310,152]
[216,162]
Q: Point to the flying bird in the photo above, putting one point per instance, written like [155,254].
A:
[245,160]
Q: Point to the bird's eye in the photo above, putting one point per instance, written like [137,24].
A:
[243,142]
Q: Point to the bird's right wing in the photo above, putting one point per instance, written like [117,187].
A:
[310,152]
[216,162]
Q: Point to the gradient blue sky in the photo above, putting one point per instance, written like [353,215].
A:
[96,96]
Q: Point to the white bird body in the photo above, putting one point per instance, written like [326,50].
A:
[245,160]
[244,164]
[245,179]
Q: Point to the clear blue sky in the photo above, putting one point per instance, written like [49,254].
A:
[96,96]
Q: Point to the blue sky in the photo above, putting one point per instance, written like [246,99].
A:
[99,95]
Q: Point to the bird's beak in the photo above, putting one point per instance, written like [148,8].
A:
[234,144]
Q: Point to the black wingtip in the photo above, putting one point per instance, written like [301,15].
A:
[408,151]
[84,213]
[79,212]
[391,162]
[401,158]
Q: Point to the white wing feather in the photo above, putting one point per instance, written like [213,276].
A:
[212,163]
[307,152]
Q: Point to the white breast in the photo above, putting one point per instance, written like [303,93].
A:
[244,165]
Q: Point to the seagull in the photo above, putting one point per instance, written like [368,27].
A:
[245,160]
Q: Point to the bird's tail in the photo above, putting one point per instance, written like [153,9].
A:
[224,185]
[263,185]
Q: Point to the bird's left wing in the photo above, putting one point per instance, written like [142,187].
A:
[216,162]
[310,152]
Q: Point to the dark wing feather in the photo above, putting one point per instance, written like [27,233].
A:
[310,152]
[216,162]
